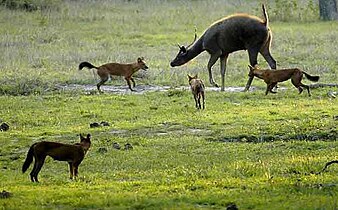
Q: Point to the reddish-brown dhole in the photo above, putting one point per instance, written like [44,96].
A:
[73,154]
[272,77]
[197,89]
[117,69]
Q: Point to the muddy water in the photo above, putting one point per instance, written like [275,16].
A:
[140,89]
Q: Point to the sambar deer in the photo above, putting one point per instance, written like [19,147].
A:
[227,35]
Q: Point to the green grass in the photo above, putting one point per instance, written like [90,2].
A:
[242,149]
[256,151]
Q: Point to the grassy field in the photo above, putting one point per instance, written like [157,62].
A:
[247,149]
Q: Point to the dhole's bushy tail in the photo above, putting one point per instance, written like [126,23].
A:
[86,64]
[29,159]
[311,78]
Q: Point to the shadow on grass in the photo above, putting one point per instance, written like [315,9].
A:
[330,135]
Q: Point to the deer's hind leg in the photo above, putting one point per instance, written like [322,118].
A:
[212,60]
[253,53]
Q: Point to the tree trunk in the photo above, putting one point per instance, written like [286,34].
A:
[328,9]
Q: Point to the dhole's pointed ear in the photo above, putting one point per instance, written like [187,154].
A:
[139,60]
[189,77]
[196,76]
[88,136]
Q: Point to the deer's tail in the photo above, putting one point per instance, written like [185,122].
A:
[87,64]
[311,78]
[266,17]
[29,159]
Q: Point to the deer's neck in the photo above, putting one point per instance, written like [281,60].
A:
[194,50]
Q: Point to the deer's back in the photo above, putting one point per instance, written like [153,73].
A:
[236,32]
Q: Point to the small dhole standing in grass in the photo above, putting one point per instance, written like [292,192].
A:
[197,89]
[73,154]
[271,78]
[117,69]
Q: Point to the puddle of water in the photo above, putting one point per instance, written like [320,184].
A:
[140,89]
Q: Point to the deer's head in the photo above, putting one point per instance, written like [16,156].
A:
[180,58]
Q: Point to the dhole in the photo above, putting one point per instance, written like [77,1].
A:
[117,69]
[73,154]
[197,89]
[272,77]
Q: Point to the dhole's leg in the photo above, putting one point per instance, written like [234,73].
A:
[76,166]
[253,53]
[40,161]
[199,100]
[307,88]
[296,81]
[71,170]
[272,86]
[34,168]
[223,61]
[132,79]
[103,80]
[212,60]
[269,88]
[202,93]
[128,82]
[196,101]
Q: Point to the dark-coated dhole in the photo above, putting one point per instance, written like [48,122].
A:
[197,89]
[230,34]
[117,69]
[73,154]
[271,78]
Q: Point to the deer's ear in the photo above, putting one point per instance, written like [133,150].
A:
[183,50]
[196,76]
